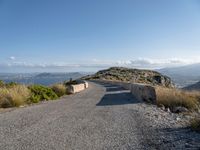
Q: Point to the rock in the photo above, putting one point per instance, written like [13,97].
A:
[179,109]
[178,118]
[167,110]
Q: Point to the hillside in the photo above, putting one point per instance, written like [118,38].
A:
[132,75]
[184,75]
[40,78]
[195,86]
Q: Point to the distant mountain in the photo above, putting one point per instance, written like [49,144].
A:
[40,78]
[195,86]
[184,75]
[59,75]
[132,75]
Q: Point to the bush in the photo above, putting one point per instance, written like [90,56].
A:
[14,96]
[195,124]
[59,89]
[1,83]
[11,84]
[173,97]
[40,93]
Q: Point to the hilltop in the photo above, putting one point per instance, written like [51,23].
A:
[132,75]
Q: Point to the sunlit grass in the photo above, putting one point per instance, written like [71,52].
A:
[170,97]
[14,96]
[59,89]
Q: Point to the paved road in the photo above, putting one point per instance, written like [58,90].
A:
[101,117]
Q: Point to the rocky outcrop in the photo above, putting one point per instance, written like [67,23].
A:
[132,76]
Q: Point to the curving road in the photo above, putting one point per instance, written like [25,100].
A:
[102,117]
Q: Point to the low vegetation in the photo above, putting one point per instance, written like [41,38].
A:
[14,95]
[59,89]
[1,83]
[40,93]
[10,84]
[170,98]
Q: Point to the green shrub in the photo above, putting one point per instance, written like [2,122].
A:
[35,98]
[59,89]
[40,93]
[11,84]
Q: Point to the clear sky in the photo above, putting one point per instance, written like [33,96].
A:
[61,35]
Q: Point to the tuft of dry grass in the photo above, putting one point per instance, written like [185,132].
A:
[171,98]
[195,124]
[13,96]
[59,89]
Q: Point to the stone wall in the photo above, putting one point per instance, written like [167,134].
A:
[125,85]
[78,87]
[141,92]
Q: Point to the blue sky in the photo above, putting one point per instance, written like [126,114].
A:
[66,35]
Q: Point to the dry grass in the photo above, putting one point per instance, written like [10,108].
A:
[195,124]
[59,89]
[170,98]
[13,96]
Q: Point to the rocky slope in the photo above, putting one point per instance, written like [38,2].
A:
[132,75]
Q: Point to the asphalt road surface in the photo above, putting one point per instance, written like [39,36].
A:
[101,117]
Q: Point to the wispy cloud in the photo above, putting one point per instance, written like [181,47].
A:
[94,65]
[12,58]
[156,63]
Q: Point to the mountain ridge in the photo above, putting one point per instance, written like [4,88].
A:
[184,75]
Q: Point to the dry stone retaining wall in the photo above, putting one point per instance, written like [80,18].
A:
[78,87]
[140,91]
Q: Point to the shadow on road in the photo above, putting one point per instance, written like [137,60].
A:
[121,98]
[114,89]
[115,95]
